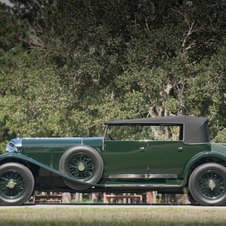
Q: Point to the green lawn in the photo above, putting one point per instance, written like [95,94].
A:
[112,216]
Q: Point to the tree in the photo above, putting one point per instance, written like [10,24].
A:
[91,61]
[12,30]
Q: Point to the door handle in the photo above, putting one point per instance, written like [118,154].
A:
[142,149]
[180,149]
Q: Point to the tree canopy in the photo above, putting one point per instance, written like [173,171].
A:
[67,66]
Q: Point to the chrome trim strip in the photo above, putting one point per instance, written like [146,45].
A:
[163,176]
[141,186]
[105,132]
[198,143]
[141,176]
[103,144]
[127,176]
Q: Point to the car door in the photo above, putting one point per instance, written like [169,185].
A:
[125,159]
[165,157]
[168,158]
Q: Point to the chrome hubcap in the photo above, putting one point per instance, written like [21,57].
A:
[81,166]
[11,184]
[212,185]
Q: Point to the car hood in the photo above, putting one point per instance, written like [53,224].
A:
[56,142]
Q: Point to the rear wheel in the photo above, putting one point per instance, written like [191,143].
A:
[16,184]
[207,184]
[82,163]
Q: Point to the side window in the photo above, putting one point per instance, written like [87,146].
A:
[134,132]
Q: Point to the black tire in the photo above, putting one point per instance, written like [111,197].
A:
[16,184]
[82,163]
[190,199]
[207,184]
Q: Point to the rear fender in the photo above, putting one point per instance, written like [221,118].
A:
[197,157]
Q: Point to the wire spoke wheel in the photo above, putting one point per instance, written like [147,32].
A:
[82,163]
[211,185]
[12,184]
[81,166]
[16,184]
[207,184]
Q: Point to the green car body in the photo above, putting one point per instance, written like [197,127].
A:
[191,163]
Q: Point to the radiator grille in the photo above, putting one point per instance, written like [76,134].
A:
[41,156]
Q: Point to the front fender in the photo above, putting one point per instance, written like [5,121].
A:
[196,158]
[27,159]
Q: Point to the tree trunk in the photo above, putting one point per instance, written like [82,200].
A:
[66,197]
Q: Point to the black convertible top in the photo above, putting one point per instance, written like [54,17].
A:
[193,129]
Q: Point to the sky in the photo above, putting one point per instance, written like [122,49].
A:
[6,2]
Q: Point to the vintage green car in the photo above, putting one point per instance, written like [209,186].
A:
[126,159]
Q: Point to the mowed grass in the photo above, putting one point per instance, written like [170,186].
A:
[112,216]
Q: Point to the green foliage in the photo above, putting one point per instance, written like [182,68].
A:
[68,66]
[143,132]
[220,137]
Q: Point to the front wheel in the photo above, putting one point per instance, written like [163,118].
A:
[207,184]
[16,184]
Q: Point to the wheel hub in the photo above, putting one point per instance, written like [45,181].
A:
[211,185]
[11,184]
[81,166]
